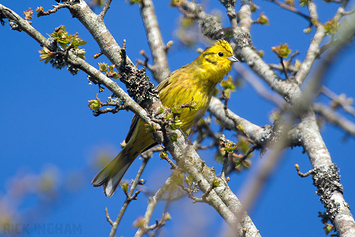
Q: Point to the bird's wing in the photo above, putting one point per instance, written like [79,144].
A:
[165,82]
[132,127]
[135,119]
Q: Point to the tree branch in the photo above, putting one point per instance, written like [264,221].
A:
[222,199]
[105,9]
[97,28]
[152,202]
[339,100]
[290,91]
[316,149]
[244,16]
[313,50]
[291,9]
[129,198]
[160,68]
[335,118]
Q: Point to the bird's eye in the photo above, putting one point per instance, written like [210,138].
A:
[220,54]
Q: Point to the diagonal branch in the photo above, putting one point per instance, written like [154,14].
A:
[129,198]
[105,9]
[335,118]
[152,202]
[96,26]
[223,200]
[340,100]
[310,136]
[291,9]
[313,50]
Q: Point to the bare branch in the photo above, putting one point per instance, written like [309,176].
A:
[344,13]
[335,118]
[218,197]
[102,36]
[232,15]
[160,69]
[258,86]
[108,217]
[290,69]
[152,202]
[313,50]
[117,107]
[291,9]
[340,100]
[105,9]
[129,198]
[244,16]
[283,67]
[315,147]
[55,9]
[257,135]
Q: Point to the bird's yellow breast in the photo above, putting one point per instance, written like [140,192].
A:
[182,89]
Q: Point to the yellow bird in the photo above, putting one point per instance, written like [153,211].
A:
[194,81]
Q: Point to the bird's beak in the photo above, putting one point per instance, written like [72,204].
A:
[233,59]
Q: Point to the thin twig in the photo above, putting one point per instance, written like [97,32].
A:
[348,12]
[117,107]
[303,175]
[292,56]
[283,67]
[145,62]
[290,69]
[171,163]
[55,9]
[290,8]
[225,165]
[129,198]
[335,118]
[190,194]
[108,217]
[339,99]
[152,202]
[105,9]
[243,158]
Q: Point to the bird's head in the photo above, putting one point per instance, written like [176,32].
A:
[219,56]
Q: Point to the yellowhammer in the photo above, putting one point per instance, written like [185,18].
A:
[194,81]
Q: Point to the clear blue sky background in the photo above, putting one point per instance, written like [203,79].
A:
[47,129]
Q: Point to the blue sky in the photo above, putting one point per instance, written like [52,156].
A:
[49,132]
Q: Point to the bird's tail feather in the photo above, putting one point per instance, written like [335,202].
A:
[110,176]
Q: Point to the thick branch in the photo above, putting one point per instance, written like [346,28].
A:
[96,26]
[244,16]
[339,213]
[222,199]
[256,134]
